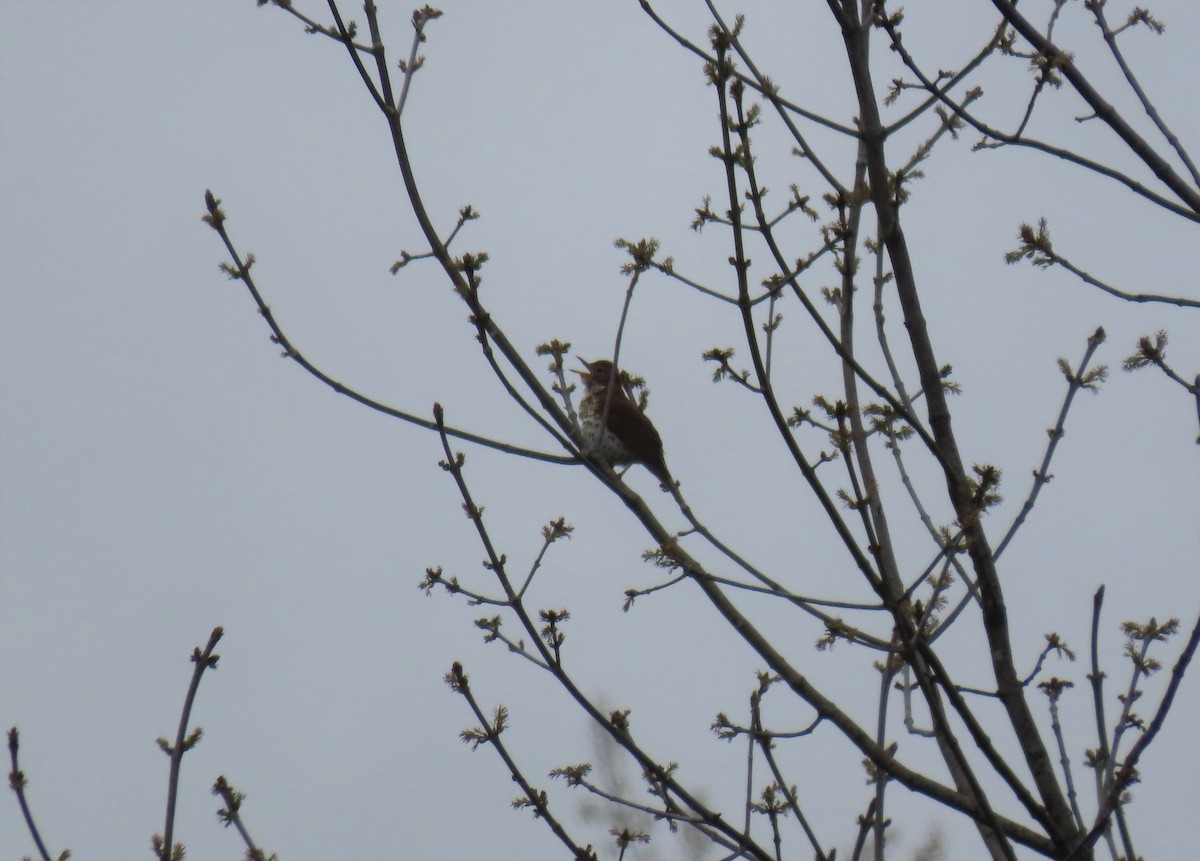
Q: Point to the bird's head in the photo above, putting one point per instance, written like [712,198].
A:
[598,373]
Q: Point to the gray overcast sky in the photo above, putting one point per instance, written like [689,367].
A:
[163,471]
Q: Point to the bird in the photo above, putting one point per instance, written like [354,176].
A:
[629,436]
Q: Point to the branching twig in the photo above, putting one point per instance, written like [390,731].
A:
[1053,688]
[1153,351]
[952,81]
[720,74]
[1110,36]
[1053,644]
[420,18]
[465,213]
[1080,378]
[748,80]
[1192,214]
[17,782]
[231,814]
[489,732]
[239,270]
[765,741]
[617,729]
[1190,195]
[771,93]
[1110,791]
[1036,247]
[343,35]
[164,846]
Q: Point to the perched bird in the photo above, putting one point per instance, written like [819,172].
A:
[629,437]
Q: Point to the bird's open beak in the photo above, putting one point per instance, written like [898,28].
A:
[586,364]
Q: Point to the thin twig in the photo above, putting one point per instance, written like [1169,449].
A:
[1110,798]
[537,799]
[741,266]
[1110,37]
[1076,380]
[420,18]
[1058,152]
[17,782]
[666,815]
[312,26]
[749,81]
[615,378]
[1047,72]
[952,82]
[554,531]
[497,564]
[879,778]
[240,270]
[480,317]
[1103,754]
[1107,114]
[1036,246]
[1053,692]
[769,92]
[1052,645]
[164,845]
[367,80]
[808,605]
[231,814]
[865,823]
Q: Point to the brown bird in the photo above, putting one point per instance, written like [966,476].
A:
[629,437]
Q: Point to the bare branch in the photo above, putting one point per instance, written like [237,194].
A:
[1076,380]
[1110,37]
[164,846]
[1036,247]
[990,132]
[420,18]
[230,814]
[1189,195]
[17,782]
[240,271]
[490,732]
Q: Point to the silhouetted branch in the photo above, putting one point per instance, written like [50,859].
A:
[1110,37]
[1137,145]
[17,782]
[617,728]
[231,814]
[1078,379]
[239,270]
[957,107]
[489,732]
[164,846]
[1036,247]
